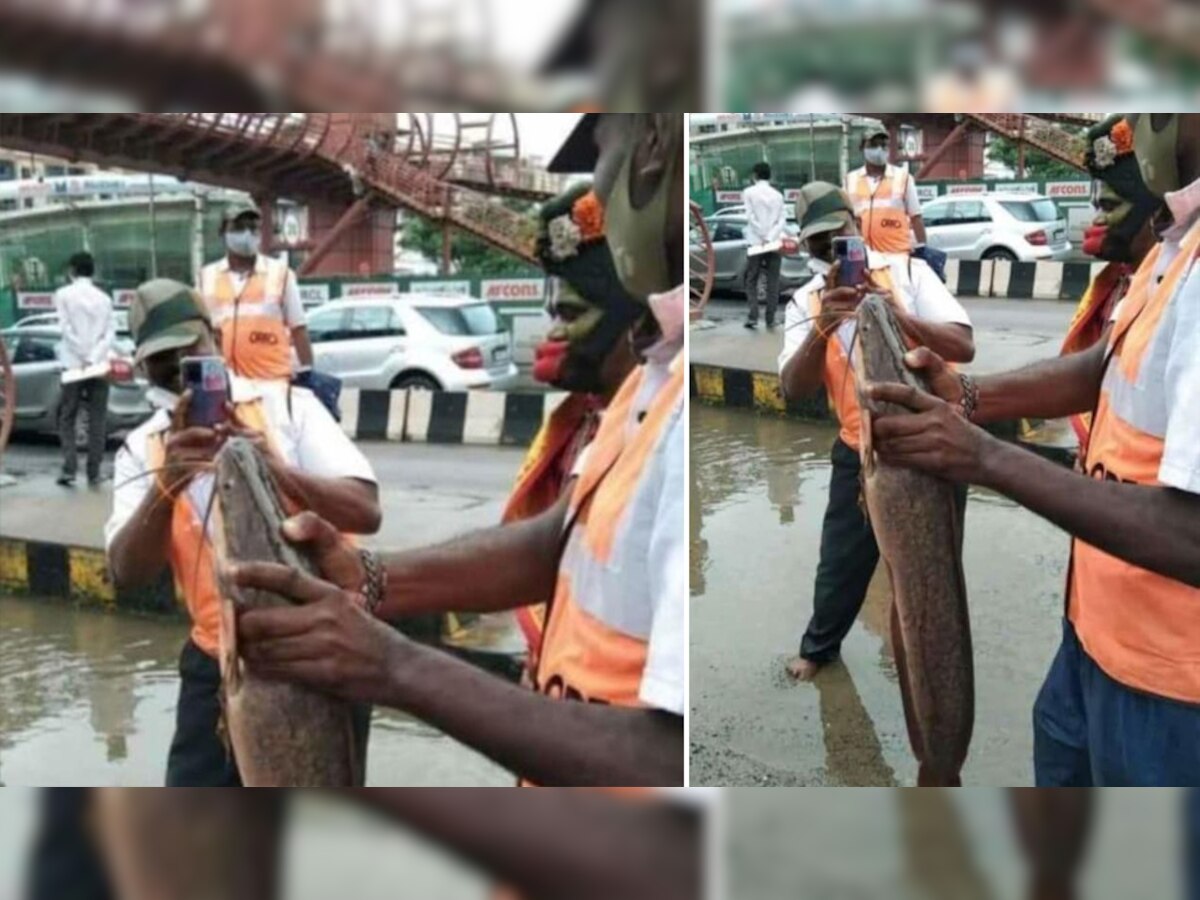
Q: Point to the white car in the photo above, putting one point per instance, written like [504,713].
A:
[50,320]
[1006,226]
[433,342]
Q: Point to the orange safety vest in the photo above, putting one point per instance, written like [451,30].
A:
[840,384]
[882,213]
[256,340]
[540,483]
[582,657]
[1087,327]
[191,555]
[1141,628]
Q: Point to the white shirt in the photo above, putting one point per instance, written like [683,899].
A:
[912,203]
[85,314]
[921,292]
[766,213]
[293,308]
[1166,399]
[307,438]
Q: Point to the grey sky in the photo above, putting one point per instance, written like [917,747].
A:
[543,133]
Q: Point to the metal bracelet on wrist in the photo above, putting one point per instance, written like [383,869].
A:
[374,581]
[969,402]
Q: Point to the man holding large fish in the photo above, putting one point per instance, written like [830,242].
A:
[1121,703]
[609,557]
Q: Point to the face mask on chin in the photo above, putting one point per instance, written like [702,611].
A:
[819,266]
[242,243]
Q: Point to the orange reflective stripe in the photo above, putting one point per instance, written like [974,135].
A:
[612,498]
[584,659]
[192,559]
[883,213]
[1141,628]
[255,340]
[840,384]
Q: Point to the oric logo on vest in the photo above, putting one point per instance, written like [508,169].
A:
[263,337]
[1101,473]
[891,223]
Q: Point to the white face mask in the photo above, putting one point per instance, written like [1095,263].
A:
[876,156]
[242,243]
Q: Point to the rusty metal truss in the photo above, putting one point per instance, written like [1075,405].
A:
[1038,132]
[451,168]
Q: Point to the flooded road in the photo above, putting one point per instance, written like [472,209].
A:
[758,491]
[88,698]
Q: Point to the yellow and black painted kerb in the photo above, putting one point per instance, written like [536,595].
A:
[61,572]
[744,389]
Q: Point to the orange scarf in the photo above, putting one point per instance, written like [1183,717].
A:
[540,483]
[1086,328]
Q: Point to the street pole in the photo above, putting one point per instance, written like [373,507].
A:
[812,147]
[153,233]
[198,206]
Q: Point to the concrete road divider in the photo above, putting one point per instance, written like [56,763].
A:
[1046,280]
[494,418]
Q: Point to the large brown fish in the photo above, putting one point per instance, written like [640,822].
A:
[919,530]
[189,843]
[282,734]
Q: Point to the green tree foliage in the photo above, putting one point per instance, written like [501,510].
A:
[1038,166]
[467,253]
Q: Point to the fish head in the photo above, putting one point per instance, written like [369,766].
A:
[238,462]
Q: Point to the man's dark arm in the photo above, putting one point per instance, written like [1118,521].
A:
[804,373]
[556,844]
[487,571]
[352,505]
[548,741]
[1050,389]
[951,341]
[1154,528]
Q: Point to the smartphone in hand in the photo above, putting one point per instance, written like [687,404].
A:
[851,252]
[208,380]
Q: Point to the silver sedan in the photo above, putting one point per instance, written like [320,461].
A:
[37,371]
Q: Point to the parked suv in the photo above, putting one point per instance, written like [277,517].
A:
[428,341]
[1014,227]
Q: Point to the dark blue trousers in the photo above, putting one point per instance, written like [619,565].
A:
[1091,731]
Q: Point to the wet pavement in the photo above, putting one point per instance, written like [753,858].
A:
[88,698]
[758,491]
[939,845]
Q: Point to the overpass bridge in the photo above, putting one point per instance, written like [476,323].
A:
[352,170]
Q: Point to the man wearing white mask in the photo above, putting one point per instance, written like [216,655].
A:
[255,304]
[885,199]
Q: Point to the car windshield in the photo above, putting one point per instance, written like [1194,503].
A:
[477,319]
[1031,210]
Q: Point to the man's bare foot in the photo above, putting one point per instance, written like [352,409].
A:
[801,669]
